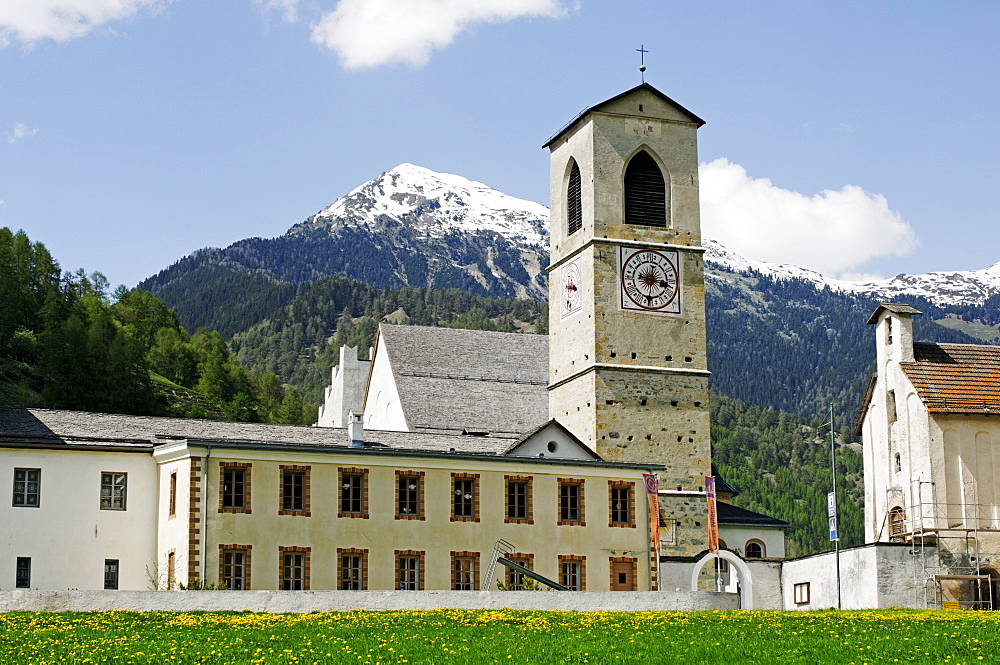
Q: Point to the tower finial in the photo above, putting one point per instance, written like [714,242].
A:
[642,61]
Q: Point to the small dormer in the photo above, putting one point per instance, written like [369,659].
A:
[893,332]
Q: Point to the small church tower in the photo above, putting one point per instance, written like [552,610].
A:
[627,360]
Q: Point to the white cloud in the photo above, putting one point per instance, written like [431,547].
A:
[30,21]
[289,8]
[21,131]
[830,233]
[370,33]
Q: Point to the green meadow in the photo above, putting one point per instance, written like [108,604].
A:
[501,636]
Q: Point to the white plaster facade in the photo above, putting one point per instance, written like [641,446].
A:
[346,391]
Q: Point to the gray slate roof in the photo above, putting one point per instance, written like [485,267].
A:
[51,428]
[469,379]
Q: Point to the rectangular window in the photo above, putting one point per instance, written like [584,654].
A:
[294,490]
[571,502]
[111,573]
[27,487]
[293,571]
[518,499]
[352,575]
[22,577]
[113,491]
[464,571]
[465,497]
[571,573]
[353,492]
[171,570]
[409,570]
[234,569]
[173,495]
[234,487]
[409,495]
[801,593]
[622,505]
[515,578]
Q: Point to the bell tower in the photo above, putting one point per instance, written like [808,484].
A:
[628,372]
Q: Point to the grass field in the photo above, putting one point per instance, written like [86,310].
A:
[502,636]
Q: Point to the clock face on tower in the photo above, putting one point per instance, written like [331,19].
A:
[649,280]
[571,289]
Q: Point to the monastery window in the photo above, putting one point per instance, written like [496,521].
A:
[113,487]
[645,192]
[573,572]
[574,205]
[294,490]
[111,573]
[234,495]
[754,549]
[519,506]
[22,577]
[465,497]
[353,492]
[897,462]
[409,495]
[888,331]
[234,566]
[571,503]
[515,578]
[464,571]
[171,570]
[27,487]
[897,522]
[294,571]
[409,570]
[890,406]
[353,569]
[173,496]
[800,593]
[622,506]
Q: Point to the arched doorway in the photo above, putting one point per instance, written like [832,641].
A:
[745,580]
[987,591]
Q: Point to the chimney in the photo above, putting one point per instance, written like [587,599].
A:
[356,429]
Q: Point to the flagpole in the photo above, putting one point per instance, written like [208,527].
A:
[833,476]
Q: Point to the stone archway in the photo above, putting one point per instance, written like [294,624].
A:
[742,571]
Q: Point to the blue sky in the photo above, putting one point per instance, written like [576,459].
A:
[853,137]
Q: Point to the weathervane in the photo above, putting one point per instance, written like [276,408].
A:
[642,61]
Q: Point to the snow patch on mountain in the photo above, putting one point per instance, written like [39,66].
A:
[437,204]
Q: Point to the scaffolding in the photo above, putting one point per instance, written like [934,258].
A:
[951,559]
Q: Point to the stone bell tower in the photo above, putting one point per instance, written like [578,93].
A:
[627,361]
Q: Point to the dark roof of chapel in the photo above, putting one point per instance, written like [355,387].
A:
[597,107]
[452,379]
[730,515]
[895,308]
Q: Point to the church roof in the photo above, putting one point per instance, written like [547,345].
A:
[956,378]
[606,102]
[730,515]
[895,308]
[451,379]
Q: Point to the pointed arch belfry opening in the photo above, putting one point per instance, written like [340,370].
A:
[574,202]
[645,192]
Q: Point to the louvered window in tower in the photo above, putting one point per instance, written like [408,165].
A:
[574,208]
[645,192]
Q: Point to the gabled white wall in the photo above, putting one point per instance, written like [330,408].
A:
[346,391]
[383,410]
[551,441]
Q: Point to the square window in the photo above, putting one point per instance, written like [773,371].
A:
[113,491]
[515,578]
[235,569]
[294,490]
[572,572]
[801,593]
[622,506]
[233,488]
[111,573]
[27,487]
[465,497]
[22,577]
[409,571]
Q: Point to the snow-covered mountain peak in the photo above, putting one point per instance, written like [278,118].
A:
[438,203]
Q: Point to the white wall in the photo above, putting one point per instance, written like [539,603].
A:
[346,391]
[877,575]
[68,536]
[736,538]
[383,410]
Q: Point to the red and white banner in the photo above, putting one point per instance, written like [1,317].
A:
[713,517]
[653,496]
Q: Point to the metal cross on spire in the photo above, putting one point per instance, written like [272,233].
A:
[642,61]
